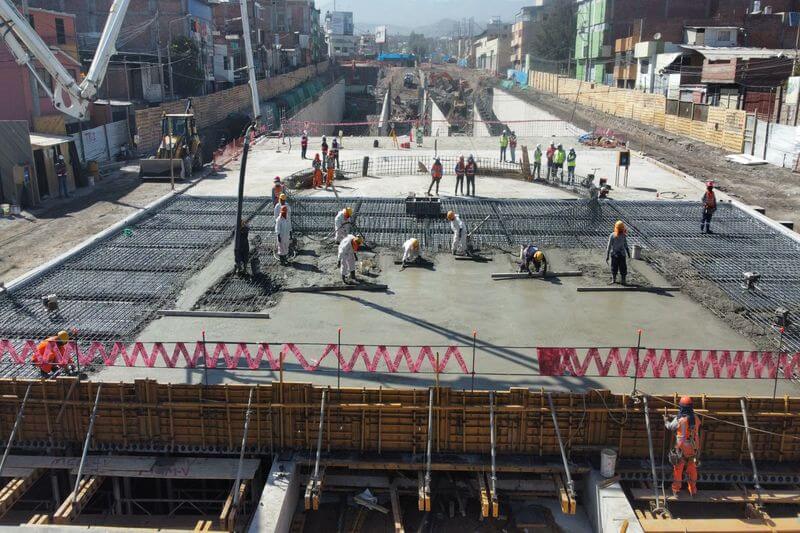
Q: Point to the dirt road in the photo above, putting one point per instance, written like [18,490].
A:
[776,189]
[35,238]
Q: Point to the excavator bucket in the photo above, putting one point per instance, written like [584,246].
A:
[159,168]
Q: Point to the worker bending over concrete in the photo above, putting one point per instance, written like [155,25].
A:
[347,257]
[283,234]
[709,201]
[47,355]
[533,259]
[343,224]
[410,251]
[686,426]
[617,250]
[459,246]
[436,175]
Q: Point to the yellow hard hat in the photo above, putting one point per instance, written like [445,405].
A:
[538,255]
[415,244]
[63,336]
[451,215]
[619,226]
[348,212]
[282,197]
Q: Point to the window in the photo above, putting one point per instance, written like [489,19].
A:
[61,34]
[47,79]
[225,63]
[724,36]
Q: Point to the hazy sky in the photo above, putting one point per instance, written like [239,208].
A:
[413,13]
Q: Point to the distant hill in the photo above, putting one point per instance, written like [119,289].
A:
[444,27]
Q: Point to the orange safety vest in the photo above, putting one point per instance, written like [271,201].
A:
[42,358]
[710,200]
[437,172]
[686,438]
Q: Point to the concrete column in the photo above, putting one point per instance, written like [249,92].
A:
[278,500]
[607,506]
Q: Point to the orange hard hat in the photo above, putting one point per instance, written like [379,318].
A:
[451,215]
[686,401]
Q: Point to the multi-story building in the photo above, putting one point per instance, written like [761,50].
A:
[491,48]
[522,30]
[342,44]
[366,46]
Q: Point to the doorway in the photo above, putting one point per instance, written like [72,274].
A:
[41,174]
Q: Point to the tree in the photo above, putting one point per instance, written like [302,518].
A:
[418,44]
[553,38]
[186,71]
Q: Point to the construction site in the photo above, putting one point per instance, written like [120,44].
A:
[454,390]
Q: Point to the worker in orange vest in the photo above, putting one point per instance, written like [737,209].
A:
[686,426]
[317,165]
[277,190]
[709,200]
[46,358]
[436,175]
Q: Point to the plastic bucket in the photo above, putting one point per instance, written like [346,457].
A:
[636,252]
[608,462]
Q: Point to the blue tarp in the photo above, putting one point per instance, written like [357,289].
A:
[519,76]
[396,57]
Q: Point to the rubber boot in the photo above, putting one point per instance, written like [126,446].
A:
[344,280]
[353,276]
[623,279]
[613,280]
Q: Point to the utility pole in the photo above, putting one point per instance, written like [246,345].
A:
[251,69]
[158,53]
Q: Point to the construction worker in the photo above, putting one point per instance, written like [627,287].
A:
[571,162]
[242,248]
[347,257]
[459,245]
[436,175]
[503,146]
[686,426]
[46,358]
[550,154]
[410,251]
[558,161]
[512,146]
[277,190]
[317,166]
[283,232]
[537,163]
[343,223]
[418,133]
[303,144]
[709,201]
[532,258]
[331,171]
[470,171]
[61,173]
[460,169]
[334,152]
[616,251]
[324,152]
[283,205]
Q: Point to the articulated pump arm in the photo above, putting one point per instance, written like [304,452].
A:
[67,95]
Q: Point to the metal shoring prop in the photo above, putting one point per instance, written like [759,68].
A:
[89,432]
[314,486]
[426,489]
[658,507]
[20,416]
[570,484]
[238,481]
[493,476]
[750,449]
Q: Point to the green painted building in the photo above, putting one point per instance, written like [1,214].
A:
[592,57]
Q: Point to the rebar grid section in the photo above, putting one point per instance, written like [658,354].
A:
[404,165]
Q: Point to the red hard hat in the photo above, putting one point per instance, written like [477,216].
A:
[709,184]
[686,401]
[277,179]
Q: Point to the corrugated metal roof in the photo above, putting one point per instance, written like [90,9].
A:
[718,53]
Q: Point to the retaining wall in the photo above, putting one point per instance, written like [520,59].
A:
[328,108]
[440,127]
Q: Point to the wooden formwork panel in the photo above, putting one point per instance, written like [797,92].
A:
[196,417]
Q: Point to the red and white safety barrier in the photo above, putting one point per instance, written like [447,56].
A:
[187,355]
[656,363]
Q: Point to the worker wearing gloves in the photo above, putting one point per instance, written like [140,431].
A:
[709,201]
[537,163]
[571,162]
[617,250]
[343,223]
[532,259]
[279,208]
[436,175]
[46,358]
[686,426]
[460,170]
[410,251]
[317,166]
[242,249]
[470,171]
[283,232]
[459,246]
[347,257]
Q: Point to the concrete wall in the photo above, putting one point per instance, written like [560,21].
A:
[608,507]
[536,122]
[440,127]
[479,129]
[386,113]
[328,108]
[783,145]
[278,500]
[214,108]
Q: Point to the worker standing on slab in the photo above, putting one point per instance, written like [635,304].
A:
[277,190]
[317,166]
[47,354]
[551,153]
[242,249]
[571,163]
[512,146]
[503,146]
[617,250]
[342,224]
[347,257]
[533,259]
[459,246]
[331,171]
[280,206]
[324,152]
[334,153]
[436,175]
[61,173]
[460,170]
[304,144]
[470,171]
[686,426]
[709,201]
[558,161]
[410,251]
[419,134]
[283,230]
[537,163]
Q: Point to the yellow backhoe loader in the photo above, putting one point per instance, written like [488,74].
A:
[180,148]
